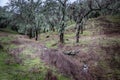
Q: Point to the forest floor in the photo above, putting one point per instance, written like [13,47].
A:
[95,57]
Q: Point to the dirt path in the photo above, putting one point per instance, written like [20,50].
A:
[79,66]
[68,65]
[75,66]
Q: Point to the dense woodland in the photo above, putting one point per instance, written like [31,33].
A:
[34,17]
[68,25]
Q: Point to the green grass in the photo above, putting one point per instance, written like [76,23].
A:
[87,33]
[70,35]
[6,39]
[51,44]
[7,30]
[31,68]
[7,71]
[114,57]
[50,41]
[28,51]
[10,46]
[115,18]
[60,77]
[69,23]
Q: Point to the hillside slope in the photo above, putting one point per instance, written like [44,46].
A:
[95,57]
[20,59]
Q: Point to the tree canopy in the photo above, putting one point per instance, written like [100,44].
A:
[32,17]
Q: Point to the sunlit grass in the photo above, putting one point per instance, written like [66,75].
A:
[87,33]
[31,66]
[70,35]
[28,50]
[51,44]
[70,22]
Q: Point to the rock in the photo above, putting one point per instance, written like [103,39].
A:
[71,52]
[47,36]
[68,52]
[85,68]
[45,48]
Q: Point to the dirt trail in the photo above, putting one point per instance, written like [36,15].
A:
[79,66]
[69,65]
[72,66]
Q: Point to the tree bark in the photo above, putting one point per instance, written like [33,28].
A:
[62,27]
[77,33]
[36,35]
[44,31]
[61,37]
[81,29]
[53,29]
[30,33]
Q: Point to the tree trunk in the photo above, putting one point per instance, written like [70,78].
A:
[53,29]
[62,27]
[44,31]
[36,35]
[81,29]
[30,33]
[62,37]
[77,33]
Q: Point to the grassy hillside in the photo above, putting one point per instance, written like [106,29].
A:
[98,48]
[47,59]
[18,60]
